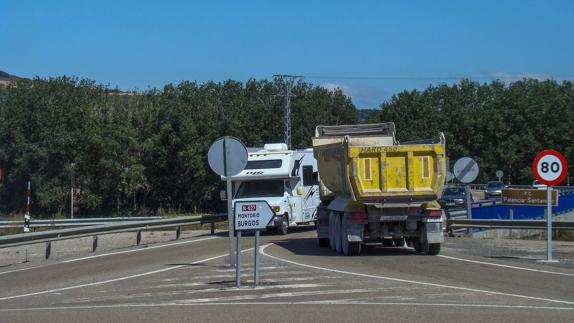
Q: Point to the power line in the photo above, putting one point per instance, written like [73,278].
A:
[289,80]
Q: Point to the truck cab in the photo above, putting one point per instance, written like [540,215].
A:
[286,179]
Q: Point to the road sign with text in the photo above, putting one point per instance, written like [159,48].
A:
[252,215]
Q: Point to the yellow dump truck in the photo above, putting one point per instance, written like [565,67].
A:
[375,189]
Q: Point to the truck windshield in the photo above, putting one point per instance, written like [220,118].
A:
[260,188]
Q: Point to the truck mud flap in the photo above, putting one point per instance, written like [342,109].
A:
[433,232]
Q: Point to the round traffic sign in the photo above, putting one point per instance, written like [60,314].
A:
[549,167]
[499,173]
[227,152]
[465,169]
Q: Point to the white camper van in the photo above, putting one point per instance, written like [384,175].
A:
[286,179]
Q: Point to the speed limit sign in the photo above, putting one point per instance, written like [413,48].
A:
[549,167]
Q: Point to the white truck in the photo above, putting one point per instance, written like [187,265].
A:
[286,179]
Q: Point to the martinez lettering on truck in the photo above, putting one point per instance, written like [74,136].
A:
[375,189]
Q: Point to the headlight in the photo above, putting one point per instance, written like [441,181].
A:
[276,208]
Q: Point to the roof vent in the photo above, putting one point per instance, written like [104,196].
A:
[275,147]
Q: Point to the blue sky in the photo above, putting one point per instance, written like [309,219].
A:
[370,49]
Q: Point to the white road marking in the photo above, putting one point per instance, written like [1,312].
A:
[411,281]
[109,254]
[315,303]
[507,266]
[115,279]
[276,295]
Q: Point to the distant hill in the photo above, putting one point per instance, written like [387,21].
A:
[366,114]
[6,78]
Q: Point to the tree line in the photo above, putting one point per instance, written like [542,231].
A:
[146,152]
[141,152]
[501,126]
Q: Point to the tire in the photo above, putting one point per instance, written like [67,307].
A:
[349,248]
[387,242]
[338,234]
[432,249]
[400,242]
[323,242]
[284,226]
[417,245]
[332,230]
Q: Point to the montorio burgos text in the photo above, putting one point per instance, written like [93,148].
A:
[248,219]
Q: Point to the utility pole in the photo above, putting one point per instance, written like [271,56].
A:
[289,80]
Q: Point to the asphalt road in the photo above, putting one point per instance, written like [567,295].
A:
[188,280]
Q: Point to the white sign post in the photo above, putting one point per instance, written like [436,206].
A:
[466,171]
[249,216]
[499,174]
[227,156]
[549,168]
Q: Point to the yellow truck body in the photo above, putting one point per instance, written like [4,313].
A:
[375,189]
[372,170]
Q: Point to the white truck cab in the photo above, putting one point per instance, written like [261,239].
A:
[286,179]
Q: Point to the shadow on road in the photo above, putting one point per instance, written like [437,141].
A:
[309,247]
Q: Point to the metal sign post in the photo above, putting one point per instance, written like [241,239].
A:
[238,261]
[549,168]
[549,223]
[256,268]
[227,156]
[251,215]
[229,189]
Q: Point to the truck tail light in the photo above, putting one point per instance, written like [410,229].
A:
[433,212]
[357,218]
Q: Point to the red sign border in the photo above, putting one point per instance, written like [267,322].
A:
[562,160]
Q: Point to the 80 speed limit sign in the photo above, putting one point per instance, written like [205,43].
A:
[549,167]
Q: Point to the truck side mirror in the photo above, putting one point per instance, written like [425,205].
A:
[223,195]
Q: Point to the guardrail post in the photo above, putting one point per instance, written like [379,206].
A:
[177,232]
[138,238]
[48,249]
[212,228]
[94,243]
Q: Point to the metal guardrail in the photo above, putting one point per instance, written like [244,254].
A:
[133,226]
[482,187]
[40,223]
[454,224]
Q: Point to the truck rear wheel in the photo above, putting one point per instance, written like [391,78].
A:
[332,230]
[432,249]
[349,248]
[387,242]
[323,242]
[338,234]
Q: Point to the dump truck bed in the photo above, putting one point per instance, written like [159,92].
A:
[369,166]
